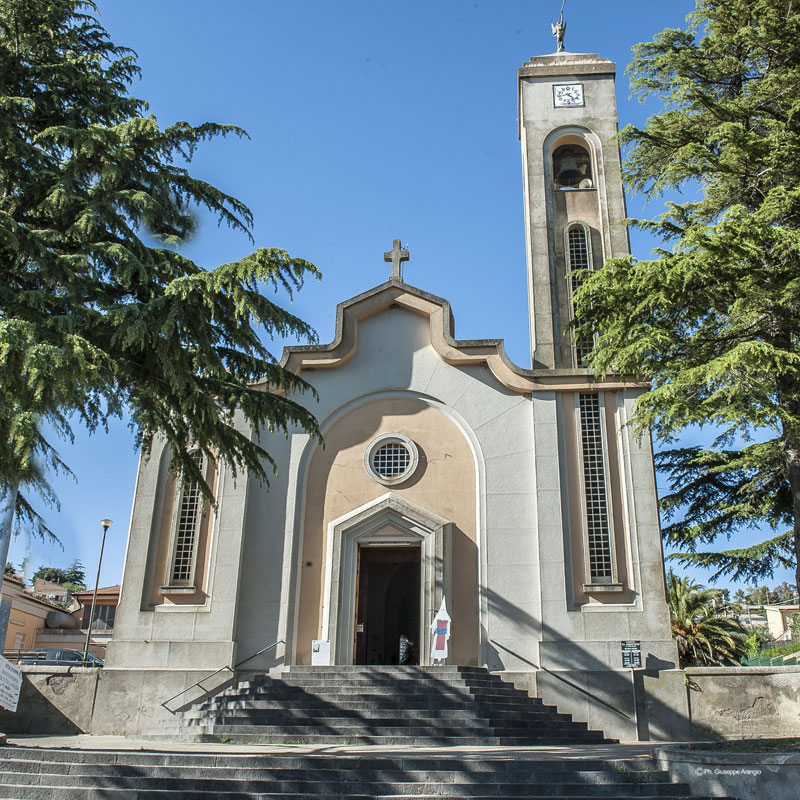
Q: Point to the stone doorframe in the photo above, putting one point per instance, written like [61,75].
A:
[408,523]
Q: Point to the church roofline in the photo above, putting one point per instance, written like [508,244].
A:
[463,352]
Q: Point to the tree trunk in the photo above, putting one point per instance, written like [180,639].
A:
[792,456]
[793,463]
[788,392]
[8,502]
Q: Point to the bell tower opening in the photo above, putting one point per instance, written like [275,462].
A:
[572,167]
[388,604]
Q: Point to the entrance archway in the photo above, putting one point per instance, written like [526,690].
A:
[394,523]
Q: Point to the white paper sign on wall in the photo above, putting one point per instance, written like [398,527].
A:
[320,653]
[10,684]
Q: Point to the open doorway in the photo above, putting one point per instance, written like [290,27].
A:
[387,603]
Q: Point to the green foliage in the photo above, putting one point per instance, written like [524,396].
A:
[72,578]
[758,596]
[100,315]
[758,560]
[76,574]
[782,745]
[51,574]
[9,570]
[783,593]
[784,650]
[703,625]
[712,317]
[714,493]
[753,644]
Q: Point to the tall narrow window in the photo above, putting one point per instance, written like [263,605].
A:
[186,530]
[598,534]
[578,259]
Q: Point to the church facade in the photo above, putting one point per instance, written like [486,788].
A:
[520,496]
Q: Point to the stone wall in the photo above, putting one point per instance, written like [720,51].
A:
[72,700]
[745,776]
[138,701]
[697,704]
[53,700]
[742,702]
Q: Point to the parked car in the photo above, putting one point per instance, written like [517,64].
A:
[58,658]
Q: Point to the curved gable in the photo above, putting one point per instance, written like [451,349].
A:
[393,293]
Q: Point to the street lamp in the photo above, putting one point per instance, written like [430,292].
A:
[106,523]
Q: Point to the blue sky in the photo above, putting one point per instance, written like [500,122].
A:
[368,121]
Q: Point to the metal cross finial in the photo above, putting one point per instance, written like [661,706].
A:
[397,256]
[559,29]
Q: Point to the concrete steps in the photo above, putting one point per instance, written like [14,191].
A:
[43,774]
[410,706]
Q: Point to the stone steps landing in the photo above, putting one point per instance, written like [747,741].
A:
[42,774]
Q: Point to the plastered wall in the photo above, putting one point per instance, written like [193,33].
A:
[444,482]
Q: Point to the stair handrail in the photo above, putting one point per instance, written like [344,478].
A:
[231,669]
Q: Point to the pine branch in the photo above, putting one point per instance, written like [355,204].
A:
[746,563]
[96,322]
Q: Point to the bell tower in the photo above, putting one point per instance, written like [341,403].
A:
[573,191]
[597,527]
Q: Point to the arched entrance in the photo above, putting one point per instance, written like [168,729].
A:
[383,545]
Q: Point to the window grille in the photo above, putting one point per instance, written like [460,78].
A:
[594,483]
[391,460]
[186,531]
[578,252]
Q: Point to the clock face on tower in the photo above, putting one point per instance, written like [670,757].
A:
[567,94]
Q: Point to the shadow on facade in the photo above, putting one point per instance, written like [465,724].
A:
[585,681]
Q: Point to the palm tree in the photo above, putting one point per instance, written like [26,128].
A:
[704,634]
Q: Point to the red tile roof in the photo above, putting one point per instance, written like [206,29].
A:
[41,585]
[107,591]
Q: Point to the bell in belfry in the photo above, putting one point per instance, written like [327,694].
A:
[572,166]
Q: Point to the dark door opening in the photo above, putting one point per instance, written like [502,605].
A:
[387,603]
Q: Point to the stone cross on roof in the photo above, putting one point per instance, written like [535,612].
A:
[397,256]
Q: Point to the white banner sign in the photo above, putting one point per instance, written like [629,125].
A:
[10,684]
[440,630]
[320,653]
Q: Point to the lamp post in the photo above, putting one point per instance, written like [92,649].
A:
[106,523]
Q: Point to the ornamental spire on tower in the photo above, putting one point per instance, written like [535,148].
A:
[559,29]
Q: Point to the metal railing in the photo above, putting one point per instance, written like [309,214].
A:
[790,660]
[15,655]
[231,669]
[50,657]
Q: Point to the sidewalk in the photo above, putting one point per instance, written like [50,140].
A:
[86,741]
